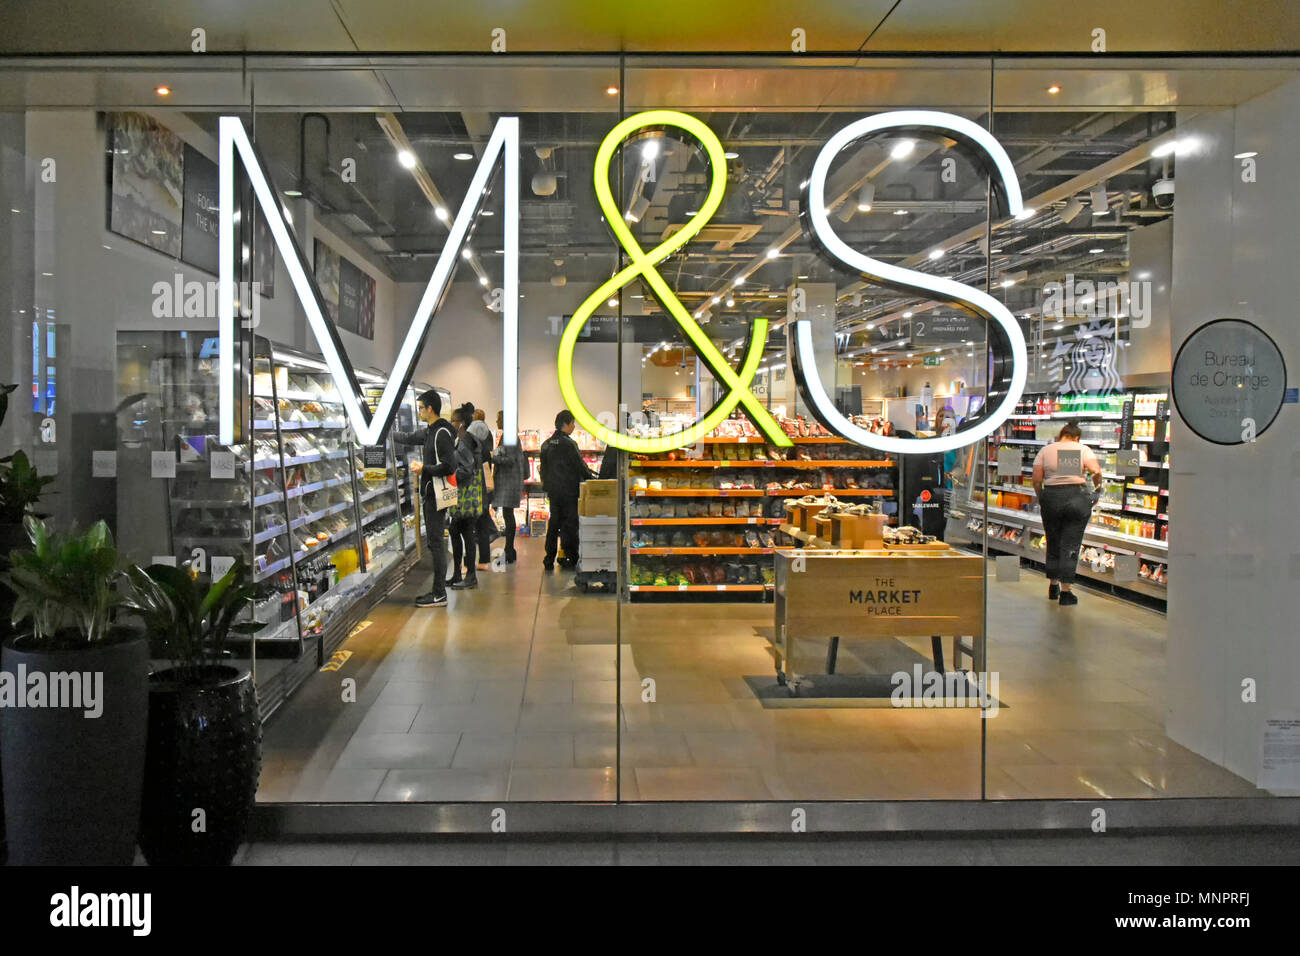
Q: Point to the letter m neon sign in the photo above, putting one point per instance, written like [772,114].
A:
[370,428]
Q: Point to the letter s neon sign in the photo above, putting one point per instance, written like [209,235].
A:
[1005,337]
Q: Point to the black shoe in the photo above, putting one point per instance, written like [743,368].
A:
[567,564]
[1053,591]
[431,600]
[548,566]
[511,556]
[452,581]
[1068,599]
[469,584]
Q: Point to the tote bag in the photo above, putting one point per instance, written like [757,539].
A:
[442,492]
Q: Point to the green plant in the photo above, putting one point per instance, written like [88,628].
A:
[192,622]
[20,485]
[66,581]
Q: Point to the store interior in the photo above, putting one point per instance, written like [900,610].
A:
[656,675]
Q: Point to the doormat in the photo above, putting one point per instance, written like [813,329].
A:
[871,682]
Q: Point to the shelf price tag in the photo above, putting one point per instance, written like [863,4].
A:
[682,587]
[1009,462]
[751,520]
[720,587]
[1126,462]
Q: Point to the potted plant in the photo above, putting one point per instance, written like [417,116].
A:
[205,732]
[75,700]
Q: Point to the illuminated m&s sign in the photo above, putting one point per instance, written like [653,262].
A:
[1008,368]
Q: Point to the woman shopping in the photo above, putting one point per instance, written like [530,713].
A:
[469,503]
[510,467]
[1065,504]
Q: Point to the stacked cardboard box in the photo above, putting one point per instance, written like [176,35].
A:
[597,542]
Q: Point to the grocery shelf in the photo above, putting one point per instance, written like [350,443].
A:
[636,522]
[837,492]
[666,552]
[698,493]
[663,588]
[761,463]
[1035,520]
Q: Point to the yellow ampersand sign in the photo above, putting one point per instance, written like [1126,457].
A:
[643,264]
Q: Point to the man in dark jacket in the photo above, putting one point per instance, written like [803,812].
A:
[563,470]
[439,441]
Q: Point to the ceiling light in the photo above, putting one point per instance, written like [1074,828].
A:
[803,277]
[243,253]
[870,326]
[1165,149]
[650,150]
[1054,89]
[487,212]
[1027,213]
[866,197]
[772,253]
[159,232]
[629,217]
[293,193]
[1144,275]
[730,302]
[1059,325]
[715,300]
[907,315]
[739,281]
[1097,198]
[163,91]
[900,212]
[1008,283]
[1246,155]
[1096,250]
[1071,210]
[936,254]
[730,154]
[909,355]
[463,157]
[613,302]
[406,158]
[902,149]
[467,253]
[441,213]
[612,90]
[482,280]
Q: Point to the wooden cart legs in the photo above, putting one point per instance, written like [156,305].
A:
[936,647]
[832,652]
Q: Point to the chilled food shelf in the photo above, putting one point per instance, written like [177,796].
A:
[700,588]
[761,463]
[668,552]
[705,521]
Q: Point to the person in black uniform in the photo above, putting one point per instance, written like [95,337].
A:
[439,441]
[563,470]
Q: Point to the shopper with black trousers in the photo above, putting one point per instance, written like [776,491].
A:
[563,470]
[510,468]
[469,501]
[1065,505]
[439,440]
[486,529]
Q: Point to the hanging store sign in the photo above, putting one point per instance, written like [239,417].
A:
[1229,381]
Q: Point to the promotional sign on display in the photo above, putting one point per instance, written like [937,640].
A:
[1126,424]
[1229,381]
[958,327]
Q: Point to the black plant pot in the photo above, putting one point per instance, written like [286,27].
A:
[72,782]
[204,756]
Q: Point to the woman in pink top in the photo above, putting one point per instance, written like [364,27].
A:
[1065,505]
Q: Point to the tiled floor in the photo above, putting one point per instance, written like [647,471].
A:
[510,694]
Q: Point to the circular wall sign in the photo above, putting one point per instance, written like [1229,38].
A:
[1229,381]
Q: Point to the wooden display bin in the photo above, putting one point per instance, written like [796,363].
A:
[801,516]
[833,595]
[855,532]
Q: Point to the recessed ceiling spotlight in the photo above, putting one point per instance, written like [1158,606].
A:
[463,157]
[1096,250]
[467,253]
[715,300]
[902,149]
[900,212]
[482,280]
[1246,155]
[739,281]
[441,213]
[612,90]
[487,212]
[163,90]
[613,302]
[730,302]
[936,254]
[1054,88]
[406,158]
[293,193]
[731,154]
[802,277]
[772,253]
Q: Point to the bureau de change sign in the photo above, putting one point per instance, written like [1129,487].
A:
[1229,381]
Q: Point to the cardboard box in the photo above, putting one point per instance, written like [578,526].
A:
[599,498]
[597,564]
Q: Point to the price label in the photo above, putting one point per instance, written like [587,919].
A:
[221,464]
[103,464]
[720,587]
[743,439]
[162,464]
[682,587]
[751,520]
[723,464]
